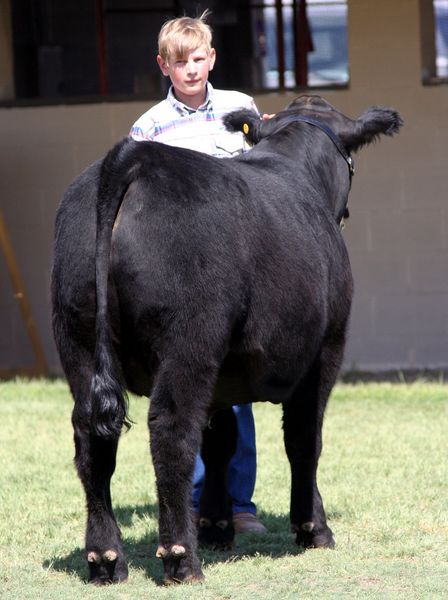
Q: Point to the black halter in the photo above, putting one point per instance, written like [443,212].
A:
[339,146]
[330,133]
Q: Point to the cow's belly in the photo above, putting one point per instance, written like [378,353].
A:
[230,390]
[238,383]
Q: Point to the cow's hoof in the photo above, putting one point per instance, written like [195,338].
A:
[310,535]
[106,568]
[179,566]
[192,578]
[218,535]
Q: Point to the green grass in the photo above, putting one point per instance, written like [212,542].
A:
[383,476]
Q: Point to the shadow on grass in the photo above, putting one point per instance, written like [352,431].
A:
[140,554]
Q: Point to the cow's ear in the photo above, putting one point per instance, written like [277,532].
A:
[247,121]
[376,121]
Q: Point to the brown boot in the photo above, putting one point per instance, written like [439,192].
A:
[246,522]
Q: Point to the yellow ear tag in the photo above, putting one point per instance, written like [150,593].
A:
[245,128]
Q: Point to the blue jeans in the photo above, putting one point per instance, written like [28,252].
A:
[242,468]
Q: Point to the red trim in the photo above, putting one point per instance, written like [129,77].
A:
[303,43]
[280,44]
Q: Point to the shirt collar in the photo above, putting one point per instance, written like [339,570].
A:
[183,109]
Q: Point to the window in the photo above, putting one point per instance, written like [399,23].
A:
[301,44]
[441,37]
[434,40]
[82,50]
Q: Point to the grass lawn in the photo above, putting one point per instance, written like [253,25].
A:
[383,477]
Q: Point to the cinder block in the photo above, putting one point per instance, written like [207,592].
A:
[375,273]
[378,192]
[378,355]
[419,315]
[123,115]
[432,352]
[426,193]
[406,231]
[86,154]
[428,271]
[54,125]
[356,232]
[15,347]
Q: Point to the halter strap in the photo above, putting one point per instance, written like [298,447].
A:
[330,133]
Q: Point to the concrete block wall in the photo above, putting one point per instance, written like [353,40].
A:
[397,234]
[41,151]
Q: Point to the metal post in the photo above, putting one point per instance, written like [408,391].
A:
[302,42]
[280,43]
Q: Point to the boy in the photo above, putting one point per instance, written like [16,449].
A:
[191,117]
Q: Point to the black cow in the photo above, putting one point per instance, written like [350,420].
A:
[211,282]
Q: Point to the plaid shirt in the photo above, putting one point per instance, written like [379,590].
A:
[176,124]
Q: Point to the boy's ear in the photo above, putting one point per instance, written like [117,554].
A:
[212,58]
[163,66]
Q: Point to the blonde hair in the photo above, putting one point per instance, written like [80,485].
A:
[180,36]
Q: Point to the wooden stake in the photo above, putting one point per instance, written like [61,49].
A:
[40,367]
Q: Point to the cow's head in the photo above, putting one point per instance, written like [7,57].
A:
[347,135]
[353,133]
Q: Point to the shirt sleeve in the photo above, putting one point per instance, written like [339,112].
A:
[143,131]
[253,106]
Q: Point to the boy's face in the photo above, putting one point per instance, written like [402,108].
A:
[189,74]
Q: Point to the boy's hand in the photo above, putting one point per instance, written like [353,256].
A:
[265,116]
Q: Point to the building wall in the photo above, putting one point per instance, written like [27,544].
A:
[397,234]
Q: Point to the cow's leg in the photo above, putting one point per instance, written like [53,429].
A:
[95,462]
[302,425]
[218,446]
[177,415]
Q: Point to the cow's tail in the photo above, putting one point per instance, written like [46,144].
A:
[108,396]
